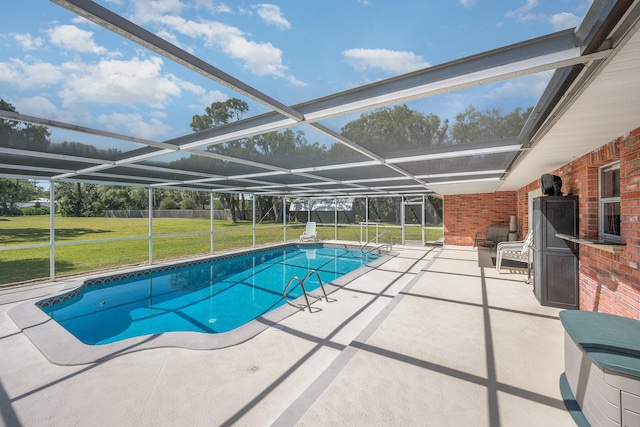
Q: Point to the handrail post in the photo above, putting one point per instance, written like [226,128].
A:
[304,291]
[362,249]
[321,284]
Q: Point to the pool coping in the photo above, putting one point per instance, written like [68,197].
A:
[60,347]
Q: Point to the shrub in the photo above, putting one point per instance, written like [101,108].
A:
[168,203]
[188,203]
[31,211]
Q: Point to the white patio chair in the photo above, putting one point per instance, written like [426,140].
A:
[309,232]
[517,251]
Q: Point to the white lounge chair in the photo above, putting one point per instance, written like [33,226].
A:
[309,232]
[517,251]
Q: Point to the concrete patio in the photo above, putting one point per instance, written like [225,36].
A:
[432,337]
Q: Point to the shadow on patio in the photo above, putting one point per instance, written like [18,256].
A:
[429,338]
[459,345]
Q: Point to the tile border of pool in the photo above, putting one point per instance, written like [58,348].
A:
[60,347]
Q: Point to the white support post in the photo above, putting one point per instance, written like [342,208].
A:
[52,231]
[366,218]
[212,221]
[284,217]
[402,217]
[335,218]
[253,196]
[150,225]
[423,219]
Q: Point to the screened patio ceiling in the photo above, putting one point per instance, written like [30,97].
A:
[592,86]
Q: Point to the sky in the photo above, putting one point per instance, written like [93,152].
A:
[56,65]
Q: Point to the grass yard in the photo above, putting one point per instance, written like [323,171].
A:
[17,265]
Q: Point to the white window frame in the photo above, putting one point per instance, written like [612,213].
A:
[601,203]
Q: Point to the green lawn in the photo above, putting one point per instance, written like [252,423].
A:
[17,265]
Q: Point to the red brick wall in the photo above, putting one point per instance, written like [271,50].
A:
[523,207]
[609,283]
[466,214]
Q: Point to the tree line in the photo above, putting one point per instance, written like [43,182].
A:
[384,131]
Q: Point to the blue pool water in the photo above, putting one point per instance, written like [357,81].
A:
[212,297]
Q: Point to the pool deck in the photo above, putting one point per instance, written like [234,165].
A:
[434,336]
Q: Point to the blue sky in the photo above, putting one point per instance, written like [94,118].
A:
[56,65]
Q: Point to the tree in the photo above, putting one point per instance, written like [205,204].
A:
[397,128]
[168,203]
[434,207]
[202,198]
[123,198]
[79,200]
[188,203]
[22,135]
[13,191]
[138,198]
[219,113]
[474,125]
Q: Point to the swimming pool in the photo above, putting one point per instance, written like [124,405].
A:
[208,296]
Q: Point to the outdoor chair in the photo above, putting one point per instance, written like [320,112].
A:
[516,251]
[494,235]
[309,232]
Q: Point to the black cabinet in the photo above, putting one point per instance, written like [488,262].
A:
[555,260]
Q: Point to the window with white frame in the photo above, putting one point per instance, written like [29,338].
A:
[609,202]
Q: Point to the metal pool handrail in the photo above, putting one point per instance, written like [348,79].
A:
[388,245]
[304,292]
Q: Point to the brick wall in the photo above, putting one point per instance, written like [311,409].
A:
[609,283]
[466,214]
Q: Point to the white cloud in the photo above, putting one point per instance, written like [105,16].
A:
[271,14]
[524,13]
[37,106]
[81,20]
[390,61]
[148,9]
[42,106]
[118,82]
[559,21]
[122,82]
[136,126]
[28,42]
[173,39]
[530,86]
[262,59]
[190,87]
[73,38]
[564,20]
[206,98]
[26,75]
[219,7]
[467,3]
